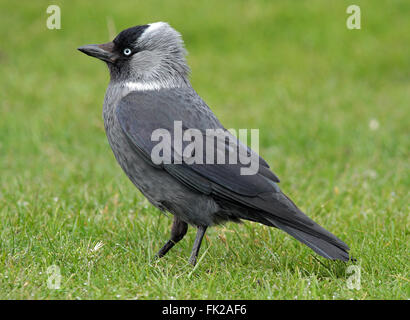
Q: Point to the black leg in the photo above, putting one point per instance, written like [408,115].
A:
[178,231]
[197,245]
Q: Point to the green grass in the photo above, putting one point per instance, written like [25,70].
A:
[289,68]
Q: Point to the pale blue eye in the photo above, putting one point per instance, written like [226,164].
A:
[127,51]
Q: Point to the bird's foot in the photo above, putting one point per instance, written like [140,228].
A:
[192,260]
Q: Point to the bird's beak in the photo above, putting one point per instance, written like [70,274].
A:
[103,51]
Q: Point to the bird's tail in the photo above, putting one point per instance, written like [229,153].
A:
[328,247]
[277,210]
[285,215]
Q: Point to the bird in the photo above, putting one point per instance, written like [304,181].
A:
[149,89]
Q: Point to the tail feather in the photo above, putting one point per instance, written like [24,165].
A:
[277,210]
[284,214]
[334,250]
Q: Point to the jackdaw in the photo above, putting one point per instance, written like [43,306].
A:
[149,89]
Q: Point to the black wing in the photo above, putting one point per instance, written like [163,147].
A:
[141,113]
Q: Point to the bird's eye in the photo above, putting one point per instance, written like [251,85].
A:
[127,51]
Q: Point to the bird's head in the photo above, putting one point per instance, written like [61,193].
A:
[147,53]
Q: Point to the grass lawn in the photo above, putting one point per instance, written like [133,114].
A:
[332,107]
